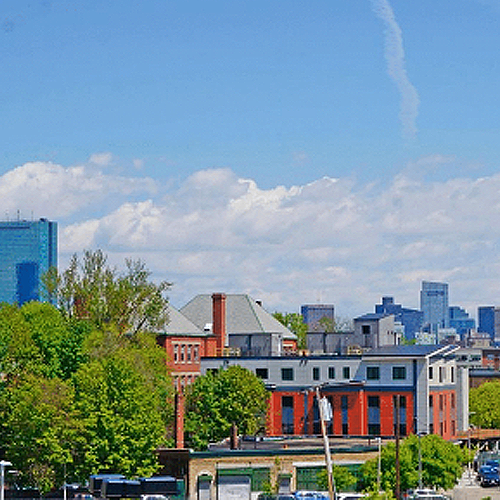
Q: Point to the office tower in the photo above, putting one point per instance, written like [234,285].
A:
[461,322]
[489,321]
[27,250]
[319,317]
[434,305]
[411,319]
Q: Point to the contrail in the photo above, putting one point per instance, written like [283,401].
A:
[395,57]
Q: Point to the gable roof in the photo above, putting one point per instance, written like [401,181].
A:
[178,324]
[243,316]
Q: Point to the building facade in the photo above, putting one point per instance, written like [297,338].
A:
[434,303]
[28,249]
[364,391]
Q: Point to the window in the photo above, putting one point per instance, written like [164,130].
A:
[262,373]
[374,415]
[398,372]
[453,400]
[344,402]
[452,375]
[316,373]
[441,374]
[189,353]
[287,426]
[431,373]
[431,401]
[372,373]
[287,374]
[346,372]
[183,353]
[176,353]
[331,372]
[195,353]
[402,414]
[365,329]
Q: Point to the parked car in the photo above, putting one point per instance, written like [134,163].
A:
[311,495]
[272,496]
[488,475]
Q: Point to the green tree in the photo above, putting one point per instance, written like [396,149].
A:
[219,399]
[484,405]
[93,290]
[344,480]
[39,429]
[84,388]
[442,464]
[295,323]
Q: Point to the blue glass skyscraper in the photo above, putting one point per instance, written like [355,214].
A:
[27,250]
[434,304]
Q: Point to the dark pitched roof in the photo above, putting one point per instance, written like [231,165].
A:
[243,315]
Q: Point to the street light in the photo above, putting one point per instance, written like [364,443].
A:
[3,464]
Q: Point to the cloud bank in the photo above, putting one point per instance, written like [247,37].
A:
[331,240]
[395,57]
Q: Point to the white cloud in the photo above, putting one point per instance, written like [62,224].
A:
[345,243]
[101,159]
[50,190]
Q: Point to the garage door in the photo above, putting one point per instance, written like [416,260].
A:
[233,488]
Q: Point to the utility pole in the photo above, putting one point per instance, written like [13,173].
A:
[329,467]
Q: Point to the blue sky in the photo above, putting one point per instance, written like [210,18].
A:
[345,149]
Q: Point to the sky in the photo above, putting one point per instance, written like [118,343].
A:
[319,151]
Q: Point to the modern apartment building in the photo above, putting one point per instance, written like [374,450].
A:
[434,303]
[27,250]
[364,391]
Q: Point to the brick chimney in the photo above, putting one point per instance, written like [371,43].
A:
[219,320]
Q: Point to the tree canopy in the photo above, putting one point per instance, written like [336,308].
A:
[442,464]
[84,388]
[92,289]
[219,399]
[484,405]
[295,323]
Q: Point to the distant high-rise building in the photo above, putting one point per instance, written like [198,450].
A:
[411,319]
[318,317]
[27,250]
[434,304]
[461,321]
[489,321]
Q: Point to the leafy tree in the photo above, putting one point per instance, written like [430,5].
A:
[442,464]
[217,400]
[93,290]
[484,404]
[343,478]
[39,429]
[295,323]
[85,388]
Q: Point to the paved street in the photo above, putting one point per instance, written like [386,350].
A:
[469,489]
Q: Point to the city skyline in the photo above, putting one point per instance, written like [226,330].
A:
[331,152]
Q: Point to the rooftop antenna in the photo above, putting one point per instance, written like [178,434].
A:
[32,216]
[7,215]
[18,215]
